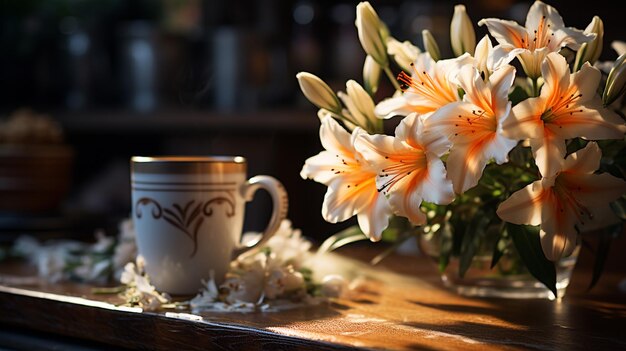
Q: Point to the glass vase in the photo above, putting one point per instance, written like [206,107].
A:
[509,278]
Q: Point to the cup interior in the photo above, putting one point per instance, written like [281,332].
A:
[188,164]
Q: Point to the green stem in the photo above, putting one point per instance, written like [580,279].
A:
[108,290]
[535,86]
[346,118]
[391,78]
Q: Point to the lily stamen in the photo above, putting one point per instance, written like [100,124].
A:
[420,86]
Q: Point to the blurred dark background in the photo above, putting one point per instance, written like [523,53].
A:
[140,77]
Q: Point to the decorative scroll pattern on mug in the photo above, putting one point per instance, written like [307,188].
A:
[188,218]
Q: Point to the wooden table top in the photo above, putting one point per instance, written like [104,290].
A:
[393,310]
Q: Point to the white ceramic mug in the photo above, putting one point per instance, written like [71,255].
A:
[188,214]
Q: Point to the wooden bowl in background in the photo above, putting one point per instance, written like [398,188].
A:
[34,178]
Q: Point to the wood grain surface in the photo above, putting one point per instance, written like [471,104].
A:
[391,310]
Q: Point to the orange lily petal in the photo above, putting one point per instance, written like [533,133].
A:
[525,120]
[523,206]
[408,170]
[558,234]
[586,160]
[375,218]
[549,153]
[506,32]
[555,72]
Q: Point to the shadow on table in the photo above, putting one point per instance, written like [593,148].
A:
[472,333]
[537,322]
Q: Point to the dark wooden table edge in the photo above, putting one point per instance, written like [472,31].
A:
[130,328]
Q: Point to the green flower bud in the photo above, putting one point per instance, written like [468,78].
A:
[431,45]
[616,82]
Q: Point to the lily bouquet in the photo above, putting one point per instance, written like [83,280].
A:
[536,158]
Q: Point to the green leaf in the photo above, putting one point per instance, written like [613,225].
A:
[602,252]
[472,240]
[342,238]
[392,248]
[528,245]
[619,207]
[498,250]
[460,228]
[445,246]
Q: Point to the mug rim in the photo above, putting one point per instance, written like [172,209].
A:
[187,164]
[188,159]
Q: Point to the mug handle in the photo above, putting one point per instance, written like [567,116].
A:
[280,204]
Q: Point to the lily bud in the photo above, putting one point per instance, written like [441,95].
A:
[590,51]
[481,57]
[431,45]
[462,35]
[359,104]
[403,53]
[318,92]
[371,75]
[370,30]
[616,82]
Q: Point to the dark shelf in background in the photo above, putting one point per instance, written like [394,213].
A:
[172,120]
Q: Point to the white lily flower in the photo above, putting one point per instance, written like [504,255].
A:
[474,126]
[126,249]
[287,245]
[462,35]
[207,297]
[568,107]
[247,284]
[249,280]
[409,167]
[282,281]
[351,181]
[544,33]
[572,200]
[103,243]
[370,29]
[432,85]
[51,263]
[139,291]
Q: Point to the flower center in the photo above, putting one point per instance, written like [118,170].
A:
[565,105]
[542,36]
[568,201]
[423,84]
[407,165]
